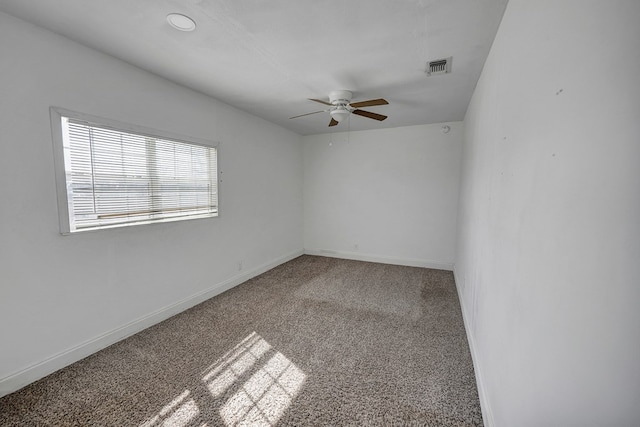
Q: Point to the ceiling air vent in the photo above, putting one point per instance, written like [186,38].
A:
[439,66]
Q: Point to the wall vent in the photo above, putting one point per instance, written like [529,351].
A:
[439,66]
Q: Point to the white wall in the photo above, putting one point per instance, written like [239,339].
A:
[548,255]
[51,314]
[386,195]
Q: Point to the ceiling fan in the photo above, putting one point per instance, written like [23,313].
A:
[341,107]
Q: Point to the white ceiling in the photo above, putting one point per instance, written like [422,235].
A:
[268,57]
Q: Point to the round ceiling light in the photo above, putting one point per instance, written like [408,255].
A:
[339,114]
[181,22]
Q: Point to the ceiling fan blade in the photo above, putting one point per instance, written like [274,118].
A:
[302,115]
[320,101]
[333,122]
[369,114]
[369,103]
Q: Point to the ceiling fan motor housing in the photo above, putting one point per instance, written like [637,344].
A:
[340,97]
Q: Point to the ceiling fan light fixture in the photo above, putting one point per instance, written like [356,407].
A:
[341,107]
[339,114]
[181,22]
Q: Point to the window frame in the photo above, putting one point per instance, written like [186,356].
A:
[56,115]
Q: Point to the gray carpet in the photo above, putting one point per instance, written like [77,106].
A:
[315,341]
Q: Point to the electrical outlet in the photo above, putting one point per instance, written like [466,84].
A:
[240,265]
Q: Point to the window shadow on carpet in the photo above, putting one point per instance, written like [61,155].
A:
[252,384]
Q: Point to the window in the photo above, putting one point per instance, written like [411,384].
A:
[111,174]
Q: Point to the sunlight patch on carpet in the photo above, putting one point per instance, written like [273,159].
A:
[178,413]
[263,381]
[236,362]
[264,397]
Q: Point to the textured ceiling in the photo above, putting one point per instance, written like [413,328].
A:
[268,57]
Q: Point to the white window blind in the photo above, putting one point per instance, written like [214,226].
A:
[116,177]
